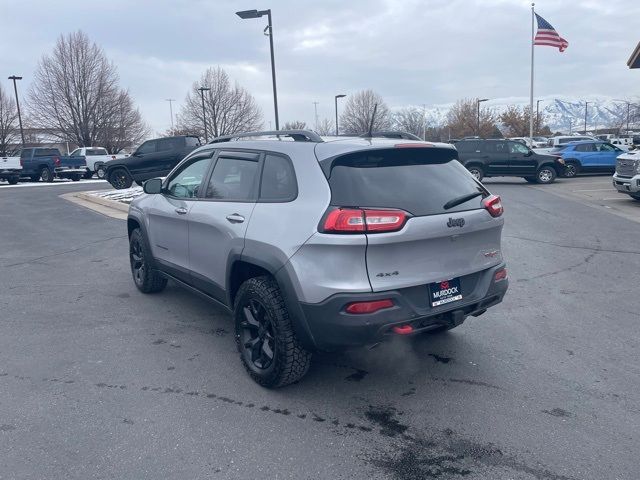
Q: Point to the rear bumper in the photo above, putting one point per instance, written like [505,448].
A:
[66,172]
[9,173]
[627,184]
[330,327]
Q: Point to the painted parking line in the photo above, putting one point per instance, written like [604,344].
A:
[594,190]
[53,184]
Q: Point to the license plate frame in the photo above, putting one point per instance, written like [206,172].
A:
[445,292]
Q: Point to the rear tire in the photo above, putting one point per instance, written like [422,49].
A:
[88,175]
[101,171]
[546,175]
[269,349]
[146,279]
[76,178]
[635,196]
[120,179]
[477,172]
[13,180]
[571,168]
[46,175]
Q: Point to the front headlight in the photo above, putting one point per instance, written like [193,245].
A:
[637,166]
[561,160]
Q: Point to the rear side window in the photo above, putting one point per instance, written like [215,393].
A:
[192,141]
[47,152]
[278,180]
[418,180]
[233,179]
[166,144]
[92,152]
[467,147]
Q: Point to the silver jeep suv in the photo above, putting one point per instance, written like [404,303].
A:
[321,243]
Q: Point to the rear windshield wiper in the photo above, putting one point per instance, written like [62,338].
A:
[461,199]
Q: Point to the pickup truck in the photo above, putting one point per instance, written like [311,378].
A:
[10,169]
[95,157]
[40,163]
[154,158]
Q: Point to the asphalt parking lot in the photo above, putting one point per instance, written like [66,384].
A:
[100,381]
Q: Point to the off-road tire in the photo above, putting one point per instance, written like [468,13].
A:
[290,359]
[46,175]
[477,171]
[101,172]
[120,179]
[145,278]
[635,196]
[13,180]
[76,178]
[546,175]
[571,168]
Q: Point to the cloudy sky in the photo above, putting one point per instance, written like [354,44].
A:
[412,52]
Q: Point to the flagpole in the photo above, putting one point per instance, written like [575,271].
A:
[531,91]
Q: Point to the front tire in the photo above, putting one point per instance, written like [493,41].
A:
[13,180]
[120,179]
[146,279]
[571,169]
[635,196]
[88,175]
[76,178]
[477,172]
[546,175]
[101,172]
[270,351]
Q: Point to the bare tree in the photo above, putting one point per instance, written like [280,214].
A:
[462,119]
[515,121]
[411,120]
[228,108]
[295,125]
[358,112]
[326,127]
[75,94]
[8,121]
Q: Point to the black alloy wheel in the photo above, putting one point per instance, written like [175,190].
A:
[120,179]
[146,279]
[257,335]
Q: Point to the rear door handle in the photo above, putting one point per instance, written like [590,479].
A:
[181,211]
[235,218]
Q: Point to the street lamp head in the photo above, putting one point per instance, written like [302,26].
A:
[483,100]
[342,95]
[14,77]
[204,89]
[246,14]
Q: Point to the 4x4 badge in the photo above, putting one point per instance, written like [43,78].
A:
[455,222]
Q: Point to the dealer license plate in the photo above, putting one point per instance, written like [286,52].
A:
[444,292]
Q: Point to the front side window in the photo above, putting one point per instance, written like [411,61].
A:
[585,147]
[516,147]
[496,147]
[166,144]
[605,147]
[147,147]
[233,179]
[76,153]
[185,183]
[278,180]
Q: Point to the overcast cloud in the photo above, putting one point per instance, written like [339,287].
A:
[410,51]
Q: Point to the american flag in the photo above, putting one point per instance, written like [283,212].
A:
[547,35]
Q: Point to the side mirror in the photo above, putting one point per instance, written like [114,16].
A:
[152,186]
[136,154]
[529,153]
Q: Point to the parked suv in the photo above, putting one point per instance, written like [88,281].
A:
[154,158]
[321,245]
[507,158]
[588,157]
[627,176]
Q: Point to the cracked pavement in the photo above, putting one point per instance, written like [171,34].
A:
[100,381]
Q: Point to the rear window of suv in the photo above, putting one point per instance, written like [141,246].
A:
[419,181]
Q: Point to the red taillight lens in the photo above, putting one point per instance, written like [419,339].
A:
[493,204]
[368,307]
[347,220]
[500,275]
[56,161]
[344,220]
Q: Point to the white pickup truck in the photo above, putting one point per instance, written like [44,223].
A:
[95,157]
[10,169]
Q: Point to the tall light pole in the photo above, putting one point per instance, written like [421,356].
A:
[537,130]
[315,108]
[342,95]
[171,100]
[204,116]
[585,117]
[628,111]
[246,14]
[478,102]
[424,121]
[15,89]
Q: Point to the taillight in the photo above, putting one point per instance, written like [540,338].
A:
[500,275]
[345,220]
[368,307]
[493,204]
[56,161]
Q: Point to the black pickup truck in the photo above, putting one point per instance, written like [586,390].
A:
[154,158]
[40,163]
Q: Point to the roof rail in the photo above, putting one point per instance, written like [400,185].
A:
[296,135]
[391,134]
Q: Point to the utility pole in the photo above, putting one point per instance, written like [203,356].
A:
[537,129]
[15,89]
[315,108]
[478,101]
[171,100]
[424,121]
[342,95]
[585,117]
[204,117]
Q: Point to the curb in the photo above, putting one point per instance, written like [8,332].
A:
[104,202]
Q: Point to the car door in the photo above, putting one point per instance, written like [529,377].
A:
[218,223]
[169,152]
[607,155]
[167,225]
[496,157]
[138,164]
[586,154]
[521,161]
